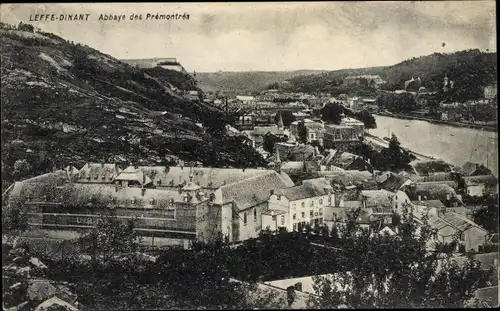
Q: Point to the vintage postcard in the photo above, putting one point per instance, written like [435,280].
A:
[274,155]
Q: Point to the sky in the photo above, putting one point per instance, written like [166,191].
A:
[274,36]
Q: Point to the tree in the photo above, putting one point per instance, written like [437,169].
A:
[385,271]
[302,132]
[316,143]
[21,169]
[287,117]
[368,119]
[109,237]
[332,112]
[270,140]
[396,158]
[487,217]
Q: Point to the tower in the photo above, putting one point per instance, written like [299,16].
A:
[277,161]
[280,121]
[190,191]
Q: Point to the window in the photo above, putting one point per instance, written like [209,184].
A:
[159,182]
[282,220]
[255,214]
[294,227]
[103,177]
[334,216]
[88,177]
[311,203]
[152,201]
[132,200]
[303,215]
[321,221]
[462,236]
[320,201]
[96,177]
[311,213]
[303,204]
[245,218]
[278,197]
[294,216]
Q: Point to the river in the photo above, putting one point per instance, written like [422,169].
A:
[455,145]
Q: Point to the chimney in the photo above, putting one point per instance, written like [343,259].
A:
[298,286]
[290,295]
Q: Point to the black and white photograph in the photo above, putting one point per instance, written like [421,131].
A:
[249,155]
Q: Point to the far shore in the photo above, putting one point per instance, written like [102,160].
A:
[485,127]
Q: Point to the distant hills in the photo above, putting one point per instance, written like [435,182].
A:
[470,70]
[246,82]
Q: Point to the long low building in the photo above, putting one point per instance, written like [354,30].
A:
[168,203]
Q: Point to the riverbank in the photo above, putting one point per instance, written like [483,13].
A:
[485,127]
[385,144]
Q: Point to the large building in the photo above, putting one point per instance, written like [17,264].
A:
[336,136]
[171,205]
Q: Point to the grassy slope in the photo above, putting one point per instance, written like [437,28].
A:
[65,103]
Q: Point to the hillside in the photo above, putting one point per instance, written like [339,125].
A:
[67,103]
[245,81]
[471,71]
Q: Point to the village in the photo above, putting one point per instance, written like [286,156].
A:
[249,157]
[312,184]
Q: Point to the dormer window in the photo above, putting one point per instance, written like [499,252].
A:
[320,201]
[103,178]
[88,177]
[133,200]
[152,202]
[159,182]
[171,183]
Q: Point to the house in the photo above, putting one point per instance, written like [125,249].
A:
[357,125]
[280,298]
[429,167]
[295,152]
[355,103]
[342,179]
[314,130]
[245,122]
[258,133]
[374,81]
[299,170]
[336,136]
[473,169]
[480,185]
[433,191]
[391,181]
[379,204]
[490,91]
[173,204]
[449,226]
[347,161]
[246,100]
[192,95]
[301,205]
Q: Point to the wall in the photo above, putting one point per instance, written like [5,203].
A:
[399,199]
[476,190]
[252,228]
[474,237]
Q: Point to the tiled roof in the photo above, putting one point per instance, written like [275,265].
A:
[441,176]
[378,197]
[263,130]
[454,220]
[429,203]
[99,172]
[423,167]
[309,189]
[431,191]
[488,295]
[207,177]
[351,177]
[134,174]
[393,182]
[344,160]
[328,159]
[489,180]
[130,197]
[255,190]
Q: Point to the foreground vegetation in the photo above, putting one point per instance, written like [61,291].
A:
[114,274]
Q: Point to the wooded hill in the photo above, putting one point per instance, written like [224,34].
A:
[471,71]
